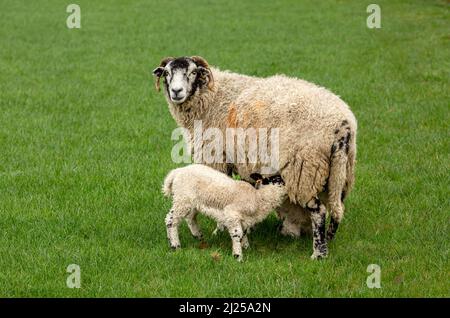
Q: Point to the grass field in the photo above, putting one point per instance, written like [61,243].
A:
[85,144]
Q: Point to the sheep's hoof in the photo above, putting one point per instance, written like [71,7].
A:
[320,252]
[319,255]
[238,257]
[174,247]
[330,236]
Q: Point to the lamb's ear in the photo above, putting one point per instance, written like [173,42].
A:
[204,70]
[256,176]
[159,71]
[258,184]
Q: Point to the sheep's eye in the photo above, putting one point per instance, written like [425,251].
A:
[194,73]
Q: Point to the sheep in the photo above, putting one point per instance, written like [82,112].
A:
[233,204]
[317,142]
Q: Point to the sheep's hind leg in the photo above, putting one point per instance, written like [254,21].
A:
[236,234]
[338,180]
[318,217]
[172,223]
[336,213]
[332,228]
[191,221]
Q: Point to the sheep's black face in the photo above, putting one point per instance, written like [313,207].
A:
[182,76]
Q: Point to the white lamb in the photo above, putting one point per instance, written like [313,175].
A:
[233,204]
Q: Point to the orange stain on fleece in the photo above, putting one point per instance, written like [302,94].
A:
[259,105]
[248,116]
[232,116]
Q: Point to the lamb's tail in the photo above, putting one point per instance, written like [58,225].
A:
[167,185]
[342,175]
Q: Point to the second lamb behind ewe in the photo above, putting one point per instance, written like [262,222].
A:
[233,204]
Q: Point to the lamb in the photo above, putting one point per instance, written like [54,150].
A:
[317,142]
[234,205]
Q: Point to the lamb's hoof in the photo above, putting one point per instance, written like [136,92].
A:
[174,247]
[238,257]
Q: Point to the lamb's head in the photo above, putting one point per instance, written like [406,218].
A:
[183,77]
[260,180]
[271,189]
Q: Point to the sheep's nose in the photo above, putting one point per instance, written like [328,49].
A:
[176,91]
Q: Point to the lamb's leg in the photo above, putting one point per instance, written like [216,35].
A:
[219,228]
[236,234]
[191,221]
[172,223]
[318,217]
[245,243]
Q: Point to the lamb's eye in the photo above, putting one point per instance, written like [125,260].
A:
[194,73]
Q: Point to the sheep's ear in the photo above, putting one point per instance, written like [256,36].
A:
[258,184]
[204,70]
[256,176]
[159,71]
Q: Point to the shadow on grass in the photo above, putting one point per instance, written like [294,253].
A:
[264,238]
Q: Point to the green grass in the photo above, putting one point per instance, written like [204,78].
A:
[85,144]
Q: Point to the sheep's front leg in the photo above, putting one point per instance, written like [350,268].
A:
[318,216]
[172,223]
[236,234]
[191,221]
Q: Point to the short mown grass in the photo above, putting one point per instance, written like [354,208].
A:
[85,144]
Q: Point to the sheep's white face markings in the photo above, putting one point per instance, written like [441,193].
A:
[179,82]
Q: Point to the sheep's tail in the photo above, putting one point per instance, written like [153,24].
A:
[167,185]
[342,175]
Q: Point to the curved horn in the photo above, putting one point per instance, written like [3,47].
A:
[200,61]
